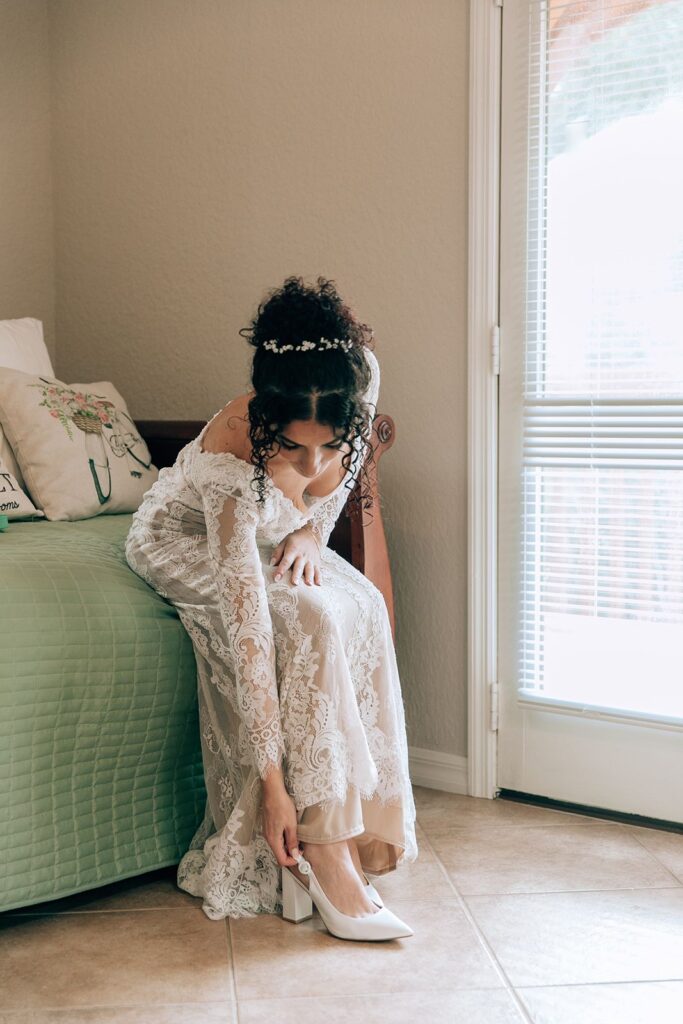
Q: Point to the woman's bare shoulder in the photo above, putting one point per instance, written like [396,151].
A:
[229,431]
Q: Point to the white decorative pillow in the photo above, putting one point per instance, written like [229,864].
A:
[22,347]
[14,503]
[79,451]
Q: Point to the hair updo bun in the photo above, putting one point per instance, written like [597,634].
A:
[309,382]
[297,311]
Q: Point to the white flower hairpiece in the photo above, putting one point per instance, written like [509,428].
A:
[305,346]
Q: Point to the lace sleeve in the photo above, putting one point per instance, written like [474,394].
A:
[231,535]
[325,515]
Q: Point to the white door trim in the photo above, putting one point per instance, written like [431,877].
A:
[482,318]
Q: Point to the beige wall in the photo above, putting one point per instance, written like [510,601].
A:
[26,237]
[204,149]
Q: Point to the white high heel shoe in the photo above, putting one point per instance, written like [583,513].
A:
[297,905]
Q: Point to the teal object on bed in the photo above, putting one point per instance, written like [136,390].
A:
[100,759]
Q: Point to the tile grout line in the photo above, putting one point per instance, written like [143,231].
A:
[654,855]
[483,941]
[233,980]
[105,910]
[675,884]
[592,984]
[484,826]
[87,1007]
[351,996]
[545,892]
[364,995]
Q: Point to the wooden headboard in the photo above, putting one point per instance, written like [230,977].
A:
[357,536]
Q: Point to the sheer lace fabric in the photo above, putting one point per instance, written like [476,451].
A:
[302,676]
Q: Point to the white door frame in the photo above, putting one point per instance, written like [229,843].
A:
[483,367]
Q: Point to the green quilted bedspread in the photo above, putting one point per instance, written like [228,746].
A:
[100,760]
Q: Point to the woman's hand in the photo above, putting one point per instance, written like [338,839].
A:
[279,824]
[300,551]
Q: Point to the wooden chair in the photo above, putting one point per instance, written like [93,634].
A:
[357,536]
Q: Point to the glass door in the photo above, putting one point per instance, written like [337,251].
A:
[591,404]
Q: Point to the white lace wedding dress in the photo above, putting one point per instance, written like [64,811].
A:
[300,675]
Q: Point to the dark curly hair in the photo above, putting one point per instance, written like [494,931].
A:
[321,385]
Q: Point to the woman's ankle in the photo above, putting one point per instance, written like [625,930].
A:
[355,857]
[316,850]
[344,850]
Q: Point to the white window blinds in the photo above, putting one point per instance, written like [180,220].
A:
[602,488]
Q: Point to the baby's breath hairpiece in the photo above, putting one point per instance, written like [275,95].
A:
[305,346]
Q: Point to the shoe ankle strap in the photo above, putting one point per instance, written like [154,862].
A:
[303,865]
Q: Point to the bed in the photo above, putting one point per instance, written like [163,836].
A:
[100,756]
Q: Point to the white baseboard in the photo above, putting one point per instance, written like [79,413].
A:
[436,770]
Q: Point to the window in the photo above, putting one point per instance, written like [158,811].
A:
[602,463]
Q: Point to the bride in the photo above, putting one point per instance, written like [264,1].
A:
[301,715]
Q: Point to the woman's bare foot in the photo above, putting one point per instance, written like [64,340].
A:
[334,868]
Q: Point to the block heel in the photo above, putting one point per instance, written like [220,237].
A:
[297,904]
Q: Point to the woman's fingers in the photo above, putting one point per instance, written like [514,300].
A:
[277,846]
[287,556]
[291,841]
[297,568]
[277,553]
[285,562]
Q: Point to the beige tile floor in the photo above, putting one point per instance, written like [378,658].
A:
[521,914]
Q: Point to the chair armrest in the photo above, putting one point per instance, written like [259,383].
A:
[359,536]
